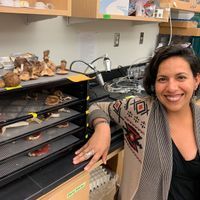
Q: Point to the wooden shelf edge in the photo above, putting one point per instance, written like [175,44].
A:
[180,24]
[132,18]
[110,155]
[33,11]
[181,31]
[177,5]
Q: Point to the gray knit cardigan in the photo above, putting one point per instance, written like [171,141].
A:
[147,149]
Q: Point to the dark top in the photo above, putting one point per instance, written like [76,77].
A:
[185,177]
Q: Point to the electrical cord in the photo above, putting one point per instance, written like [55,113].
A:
[120,69]
[70,70]
[137,62]
[117,87]
[170,24]
[81,61]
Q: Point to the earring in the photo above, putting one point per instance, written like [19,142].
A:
[194,95]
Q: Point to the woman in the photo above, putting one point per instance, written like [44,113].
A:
[161,131]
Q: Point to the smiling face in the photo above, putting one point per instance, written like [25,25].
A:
[175,84]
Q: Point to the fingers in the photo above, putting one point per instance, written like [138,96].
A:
[82,149]
[86,154]
[104,157]
[93,149]
[83,155]
[78,159]
[94,159]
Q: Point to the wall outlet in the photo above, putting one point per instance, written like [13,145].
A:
[141,38]
[116,39]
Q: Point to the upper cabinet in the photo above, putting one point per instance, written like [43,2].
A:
[91,9]
[188,5]
[44,7]
[183,28]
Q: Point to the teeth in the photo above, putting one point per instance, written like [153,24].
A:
[173,98]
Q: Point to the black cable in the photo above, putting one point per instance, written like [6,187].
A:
[121,70]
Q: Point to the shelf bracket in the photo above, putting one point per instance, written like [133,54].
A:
[74,20]
[35,18]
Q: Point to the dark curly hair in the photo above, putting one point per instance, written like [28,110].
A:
[162,54]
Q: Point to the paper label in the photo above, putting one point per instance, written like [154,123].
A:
[87,112]
[75,190]
[78,78]
[13,88]
[33,114]
[107,16]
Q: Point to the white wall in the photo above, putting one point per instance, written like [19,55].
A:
[67,40]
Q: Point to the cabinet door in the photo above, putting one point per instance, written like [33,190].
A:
[45,7]
[76,188]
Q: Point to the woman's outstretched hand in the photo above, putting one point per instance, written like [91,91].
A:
[97,147]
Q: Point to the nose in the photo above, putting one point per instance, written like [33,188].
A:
[172,85]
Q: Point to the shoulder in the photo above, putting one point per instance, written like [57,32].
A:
[196,108]
[136,100]
[135,103]
[196,104]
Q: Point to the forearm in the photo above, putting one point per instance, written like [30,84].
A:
[100,122]
[98,112]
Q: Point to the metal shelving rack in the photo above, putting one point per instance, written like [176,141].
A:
[14,107]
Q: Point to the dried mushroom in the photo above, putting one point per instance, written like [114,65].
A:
[11,79]
[62,68]
[39,152]
[2,83]
[24,76]
[48,62]
[37,69]
[21,64]
[63,125]
[52,100]
[46,71]
[34,136]
[19,61]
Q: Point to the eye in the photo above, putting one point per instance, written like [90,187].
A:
[161,79]
[181,78]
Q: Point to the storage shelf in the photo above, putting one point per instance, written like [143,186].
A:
[19,109]
[12,134]
[177,5]
[24,161]
[28,101]
[11,149]
[180,24]
[41,81]
[183,28]
[134,18]
[91,9]
[34,11]
[59,8]
[181,31]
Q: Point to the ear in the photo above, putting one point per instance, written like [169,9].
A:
[197,80]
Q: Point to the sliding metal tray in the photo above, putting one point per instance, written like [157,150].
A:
[12,134]
[17,108]
[19,146]
[41,81]
[23,164]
